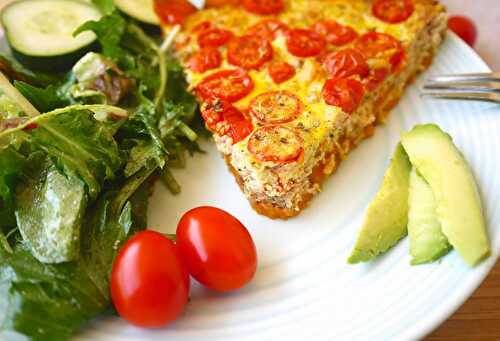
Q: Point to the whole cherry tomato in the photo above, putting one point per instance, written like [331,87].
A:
[149,283]
[464,28]
[217,249]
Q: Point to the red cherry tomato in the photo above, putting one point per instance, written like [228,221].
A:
[264,7]
[346,63]
[149,283]
[268,28]
[276,143]
[335,33]
[173,11]
[393,11]
[464,28]
[236,125]
[344,93]
[281,72]
[305,43]
[214,37]
[227,85]
[217,248]
[249,52]
[206,59]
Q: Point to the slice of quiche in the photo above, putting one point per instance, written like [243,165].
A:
[289,87]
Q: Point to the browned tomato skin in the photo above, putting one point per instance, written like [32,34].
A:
[393,11]
[344,93]
[268,28]
[264,7]
[305,43]
[227,85]
[214,37]
[280,72]
[278,149]
[335,33]
[249,52]
[346,63]
[173,12]
[206,59]
[224,119]
[276,107]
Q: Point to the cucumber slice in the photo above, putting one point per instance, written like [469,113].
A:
[40,32]
[14,95]
[427,241]
[141,10]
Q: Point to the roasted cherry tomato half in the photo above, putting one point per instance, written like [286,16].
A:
[393,11]
[382,46]
[234,123]
[173,11]
[249,52]
[344,93]
[464,28]
[149,282]
[214,37]
[217,249]
[227,85]
[376,76]
[335,33]
[281,72]
[276,107]
[205,59]
[264,7]
[305,43]
[276,143]
[268,28]
[346,63]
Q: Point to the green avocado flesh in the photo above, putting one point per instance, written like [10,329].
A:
[458,204]
[427,241]
[387,216]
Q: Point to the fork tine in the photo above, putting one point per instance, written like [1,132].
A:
[464,95]
[471,77]
[464,86]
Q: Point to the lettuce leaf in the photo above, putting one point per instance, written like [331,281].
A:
[52,301]
[50,209]
[79,144]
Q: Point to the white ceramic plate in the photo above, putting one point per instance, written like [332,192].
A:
[304,289]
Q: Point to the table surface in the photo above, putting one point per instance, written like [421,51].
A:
[479,318]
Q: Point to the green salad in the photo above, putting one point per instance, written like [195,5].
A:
[79,151]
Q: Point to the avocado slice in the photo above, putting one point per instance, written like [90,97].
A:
[427,241]
[386,218]
[459,208]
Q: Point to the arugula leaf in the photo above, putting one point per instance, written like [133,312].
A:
[50,209]
[43,99]
[109,31]
[50,302]
[79,144]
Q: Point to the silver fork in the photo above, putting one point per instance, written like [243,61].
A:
[473,86]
